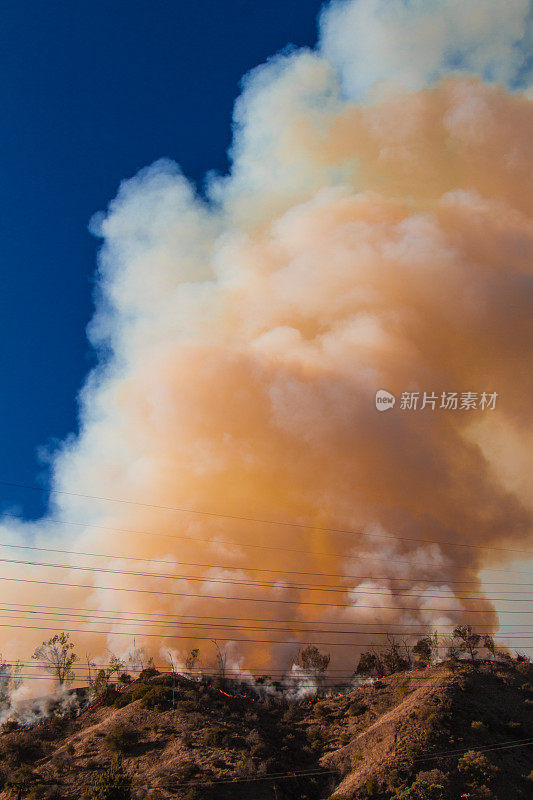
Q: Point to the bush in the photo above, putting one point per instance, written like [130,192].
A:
[112,784]
[20,780]
[21,749]
[427,786]
[149,672]
[214,737]
[120,739]
[140,691]
[479,727]
[110,696]
[123,700]
[185,706]
[355,709]
[9,726]
[157,698]
[476,768]
[372,787]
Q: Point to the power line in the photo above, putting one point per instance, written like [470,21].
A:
[323,772]
[190,637]
[244,567]
[210,617]
[261,584]
[266,600]
[486,748]
[211,541]
[49,616]
[282,523]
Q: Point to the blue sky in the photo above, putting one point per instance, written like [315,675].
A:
[90,93]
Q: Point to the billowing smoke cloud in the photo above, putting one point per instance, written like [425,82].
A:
[363,240]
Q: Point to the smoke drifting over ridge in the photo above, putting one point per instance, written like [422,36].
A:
[373,233]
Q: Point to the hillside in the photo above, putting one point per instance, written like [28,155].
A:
[373,742]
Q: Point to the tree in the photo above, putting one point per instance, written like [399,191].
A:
[221,660]
[476,769]
[393,660]
[99,681]
[57,657]
[112,784]
[427,786]
[170,662]
[310,658]
[488,644]
[467,640]
[191,661]
[136,658]
[423,649]
[9,680]
[370,663]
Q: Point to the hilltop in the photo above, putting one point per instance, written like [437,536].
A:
[432,734]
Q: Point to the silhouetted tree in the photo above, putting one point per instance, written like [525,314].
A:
[468,641]
[393,659]
[423,649]
[221,660]
[370,663]
[488,644]
[192,659]
[57,657]
[310,658]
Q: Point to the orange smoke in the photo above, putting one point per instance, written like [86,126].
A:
[379,245]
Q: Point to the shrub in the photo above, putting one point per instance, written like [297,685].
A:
[411,753]
[140,691]
[476,767]
[157,698]
[123,700]
[110,696]
[186,769]
[149,672]
[112,784]
[60,762]
[290,715]
[427,786]
[120,739]
[479,727]
[372,787]
[9,726]
[185,706]
[213,737]
[355,708]
[20,780]
[21,749]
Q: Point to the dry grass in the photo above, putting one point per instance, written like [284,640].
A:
[375,739]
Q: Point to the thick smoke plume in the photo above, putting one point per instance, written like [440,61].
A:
[374,233]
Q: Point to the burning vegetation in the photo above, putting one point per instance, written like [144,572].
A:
[433,733]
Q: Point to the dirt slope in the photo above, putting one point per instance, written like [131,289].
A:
[373,742]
